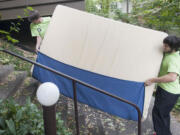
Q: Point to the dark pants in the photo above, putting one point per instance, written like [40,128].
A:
[164,103]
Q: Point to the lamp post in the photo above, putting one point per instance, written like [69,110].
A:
[48,94]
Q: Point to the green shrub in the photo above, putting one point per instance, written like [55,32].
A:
[24,120]
[14,27]
[19,64]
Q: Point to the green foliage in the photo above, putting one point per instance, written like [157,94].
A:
[24,120]
[6,35]
[109,9]
[4,32]
[61,130]
[14,27]
[19,65]
[20,120]
[177,106]
[161,15]
[99,7]
[118,15]
[27,10]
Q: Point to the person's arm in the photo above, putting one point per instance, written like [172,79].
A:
[38,43]
[170,77]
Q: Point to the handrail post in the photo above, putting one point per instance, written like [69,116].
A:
[75,107]
[139,121]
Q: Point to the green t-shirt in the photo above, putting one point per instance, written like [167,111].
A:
[171,63]
[40,29]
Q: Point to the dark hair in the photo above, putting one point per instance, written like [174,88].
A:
[173,42]
[33,15]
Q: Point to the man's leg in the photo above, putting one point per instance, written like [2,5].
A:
[164,102]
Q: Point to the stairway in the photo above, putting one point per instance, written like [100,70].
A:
[95,122]
[16,84]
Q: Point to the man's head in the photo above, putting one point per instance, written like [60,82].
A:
[171,44]
[34,17]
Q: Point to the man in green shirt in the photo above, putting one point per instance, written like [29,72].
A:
[38,26]
[168,86]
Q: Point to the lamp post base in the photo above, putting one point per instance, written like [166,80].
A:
[49,115]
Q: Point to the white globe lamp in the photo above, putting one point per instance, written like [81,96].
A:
[48,94]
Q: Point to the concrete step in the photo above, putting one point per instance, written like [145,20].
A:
[27,89]
[62,106]
[95,122]
[87,122]
[5,70]
[9,88]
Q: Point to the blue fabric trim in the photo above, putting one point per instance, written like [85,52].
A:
[129,90]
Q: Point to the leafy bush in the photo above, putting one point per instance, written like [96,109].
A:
[24,120]
[6,35]
[19,65]
[14,27]
[161,15]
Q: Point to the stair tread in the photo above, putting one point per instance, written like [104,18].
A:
[14,81]
[5,70]
[94,121]
[27,89]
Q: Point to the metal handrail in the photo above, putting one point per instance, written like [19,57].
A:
[74,89]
